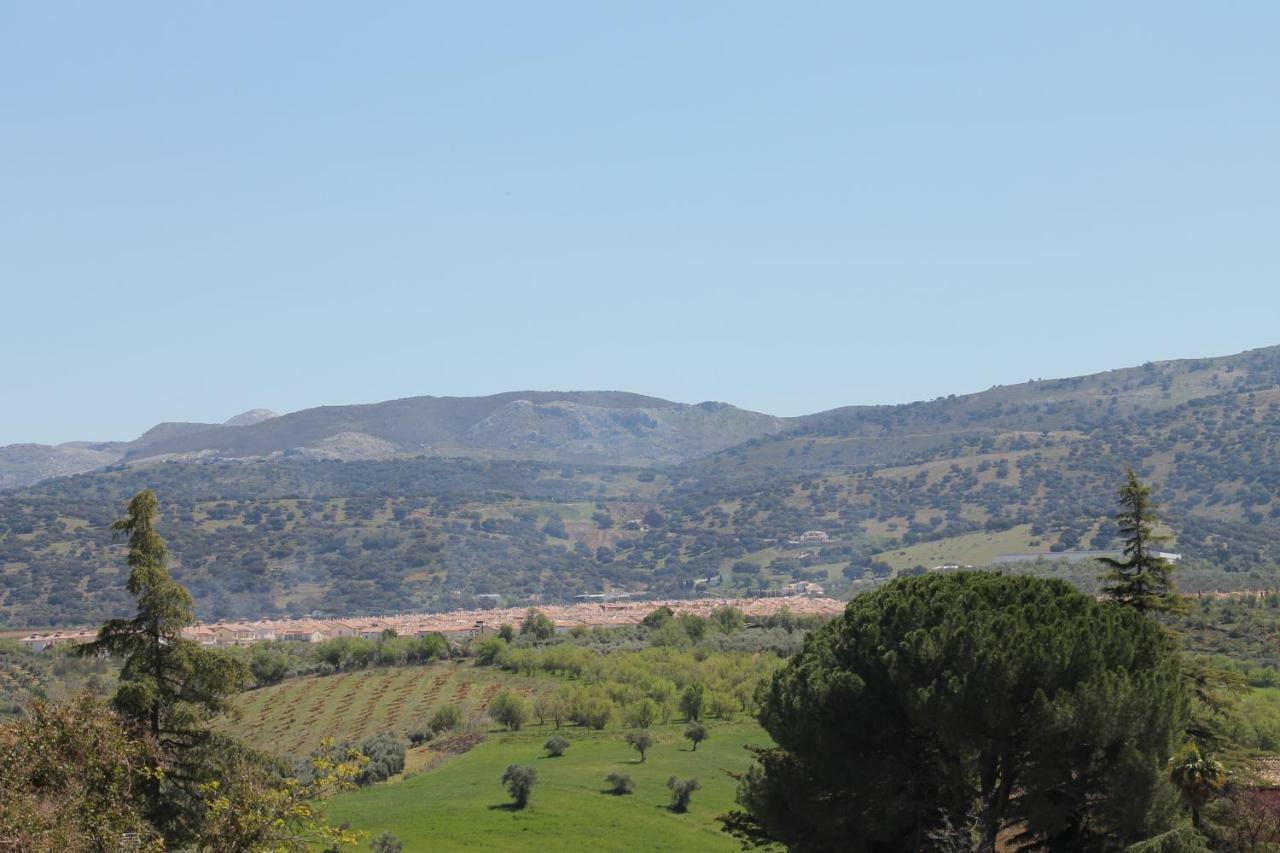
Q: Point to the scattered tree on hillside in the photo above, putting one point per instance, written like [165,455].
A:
[509,709]
[640,742]
[885,721]
[681,791]
[519,780]
[555,746]
[1143,580]
[696,733]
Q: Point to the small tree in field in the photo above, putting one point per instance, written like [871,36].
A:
[681,791]
[555,746]
[696,733]
[619,784]
[519,780]
[509,709]
[1143,580]
[640,742]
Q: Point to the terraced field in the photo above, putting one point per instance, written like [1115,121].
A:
[292,718]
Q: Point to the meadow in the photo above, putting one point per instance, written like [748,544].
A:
[461,804]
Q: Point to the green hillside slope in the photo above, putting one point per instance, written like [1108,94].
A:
[1028,469]
[459,806]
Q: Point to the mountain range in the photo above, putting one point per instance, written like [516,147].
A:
[576,426]
[525,496]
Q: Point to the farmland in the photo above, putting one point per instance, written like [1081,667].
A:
[292,718]
[460,804]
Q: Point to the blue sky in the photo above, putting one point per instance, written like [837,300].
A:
[788,207]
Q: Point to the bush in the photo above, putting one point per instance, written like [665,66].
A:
[419,736]
[681,791]
[619,784]
[386,843]
[385,752]
[659,617]
[519,780]
[642,714]
[446,718]
[697,733]
[509,709]
[489,650]
[555,746]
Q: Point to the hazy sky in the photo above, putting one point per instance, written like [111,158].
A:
[787,206]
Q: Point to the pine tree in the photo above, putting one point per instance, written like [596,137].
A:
[170,687]
[1143,580]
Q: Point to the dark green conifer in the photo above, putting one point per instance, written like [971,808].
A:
[170,687]
[1143,580]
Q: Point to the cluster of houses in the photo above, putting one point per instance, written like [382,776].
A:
[461,624]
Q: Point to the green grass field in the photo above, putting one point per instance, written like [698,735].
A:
[461,804]
[293,717]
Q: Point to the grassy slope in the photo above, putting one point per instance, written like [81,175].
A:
[293,717]
[459,805]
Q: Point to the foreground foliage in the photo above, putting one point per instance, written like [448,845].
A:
[1053,712]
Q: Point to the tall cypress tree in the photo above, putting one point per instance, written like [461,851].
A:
[170,687]
[1143,580]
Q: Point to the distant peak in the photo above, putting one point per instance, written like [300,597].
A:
[249,418]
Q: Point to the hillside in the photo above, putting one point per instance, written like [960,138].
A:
[1026,469]
[579,427]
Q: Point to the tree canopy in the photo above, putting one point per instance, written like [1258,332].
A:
[1050,711]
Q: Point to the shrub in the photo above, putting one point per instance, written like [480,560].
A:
[555,746]
[489,650]
[643,713]
[619,784]
[419,736]
[446,718]
[519,780]
[509,709]
[681,791]
[659,617]
[386,843]
[385,752]
[595,713]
